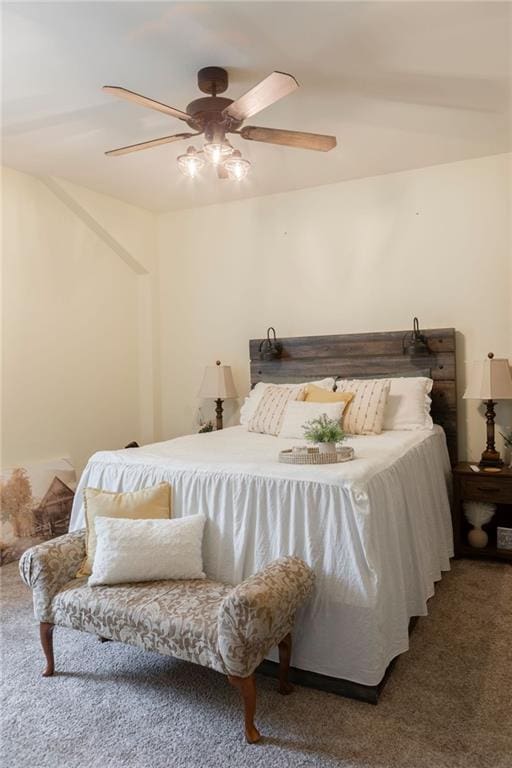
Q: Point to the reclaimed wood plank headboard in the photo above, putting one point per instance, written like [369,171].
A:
[369,355]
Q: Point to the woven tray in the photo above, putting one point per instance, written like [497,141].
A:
[313,456]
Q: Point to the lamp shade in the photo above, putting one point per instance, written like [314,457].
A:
[489,380]
[218,382]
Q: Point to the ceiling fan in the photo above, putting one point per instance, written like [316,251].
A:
[215,116]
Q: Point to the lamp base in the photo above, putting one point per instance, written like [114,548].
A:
[218,412]
[491,459]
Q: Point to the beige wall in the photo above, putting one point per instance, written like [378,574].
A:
[362,255]
[111,312]
[75,322]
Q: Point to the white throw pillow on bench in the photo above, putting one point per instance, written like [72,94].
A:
[147,550]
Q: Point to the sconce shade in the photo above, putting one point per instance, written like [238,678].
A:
[415,342]
[218,383]
[271,349]
[489,380]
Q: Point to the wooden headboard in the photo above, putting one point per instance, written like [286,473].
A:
[367,355]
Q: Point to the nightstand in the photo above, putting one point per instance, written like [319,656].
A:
[495,488]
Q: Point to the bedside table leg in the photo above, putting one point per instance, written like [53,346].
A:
[456,517]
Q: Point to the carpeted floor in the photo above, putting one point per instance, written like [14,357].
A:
[448,702]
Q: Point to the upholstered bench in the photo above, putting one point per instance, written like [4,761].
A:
[229,629]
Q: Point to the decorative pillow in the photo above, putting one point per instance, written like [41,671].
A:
[316,394]
[153,502]
[296,414]
[147,550]
[408,404]
[268,417]
[251,402]
[364,415]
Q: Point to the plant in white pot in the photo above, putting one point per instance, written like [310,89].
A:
[325,432]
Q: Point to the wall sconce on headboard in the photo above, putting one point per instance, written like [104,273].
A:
[415,342]
[271,349]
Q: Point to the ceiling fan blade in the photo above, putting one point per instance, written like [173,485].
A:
[298,139]
[149,144]
[221,172]
[124,93]
[262,95]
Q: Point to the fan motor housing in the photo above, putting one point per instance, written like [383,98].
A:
[208,110]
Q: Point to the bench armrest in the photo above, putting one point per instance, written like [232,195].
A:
[46,567]
[260,612]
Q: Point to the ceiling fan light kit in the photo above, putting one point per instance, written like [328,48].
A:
[217,152]
[214,116]
[190,163]
[236,166]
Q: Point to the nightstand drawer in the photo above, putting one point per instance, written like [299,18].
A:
[482,488]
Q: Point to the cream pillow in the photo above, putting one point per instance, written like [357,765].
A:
[316,394]
[268,417]
[296,414]
[408,404]
[364,415]
[147,550]
[251,402]
[154,502]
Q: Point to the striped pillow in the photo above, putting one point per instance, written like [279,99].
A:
[250,404]
[364,415]
[269,414]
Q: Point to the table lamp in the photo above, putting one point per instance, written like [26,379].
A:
[218,384]
[490,380]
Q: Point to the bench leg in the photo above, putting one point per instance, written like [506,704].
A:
[46,635]
[285,652]
[247,688]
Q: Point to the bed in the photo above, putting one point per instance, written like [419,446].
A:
[377,531]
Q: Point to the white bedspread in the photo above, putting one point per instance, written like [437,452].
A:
[376,530]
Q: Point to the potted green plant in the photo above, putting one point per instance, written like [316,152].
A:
[325,432]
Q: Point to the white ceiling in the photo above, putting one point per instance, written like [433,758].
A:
[402,85]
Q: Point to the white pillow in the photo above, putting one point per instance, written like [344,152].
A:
[251,402]
[297,413]
[147,550]
[408,404]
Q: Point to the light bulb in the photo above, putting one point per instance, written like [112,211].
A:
[216,151]
[236,166]
[190,163]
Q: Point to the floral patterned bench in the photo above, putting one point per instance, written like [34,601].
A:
[229,629]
